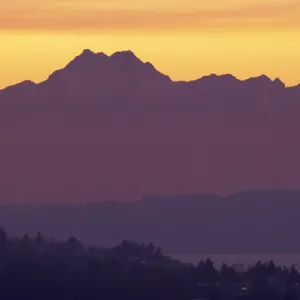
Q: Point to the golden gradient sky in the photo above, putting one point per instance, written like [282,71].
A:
[184,39]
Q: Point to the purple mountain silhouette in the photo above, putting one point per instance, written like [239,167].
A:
[113,127]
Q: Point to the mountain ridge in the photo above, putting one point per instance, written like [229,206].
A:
[129,55]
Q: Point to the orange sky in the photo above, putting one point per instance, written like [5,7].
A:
[185,39]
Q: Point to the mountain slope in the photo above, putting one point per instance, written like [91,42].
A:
[113,127]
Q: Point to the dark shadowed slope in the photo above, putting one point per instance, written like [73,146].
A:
[113,127]
[248,222]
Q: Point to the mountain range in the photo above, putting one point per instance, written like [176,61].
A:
[113,127]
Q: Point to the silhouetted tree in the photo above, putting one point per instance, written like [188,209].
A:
[3,247]
[228,273]
[271,269]
[25,242]
[206,272]
[74,246]
[40,243]
[293,276]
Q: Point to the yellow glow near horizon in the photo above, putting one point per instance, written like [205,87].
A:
[183,39]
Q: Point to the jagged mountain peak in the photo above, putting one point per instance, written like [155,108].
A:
[219,78]
[127,55]
[264,80]
[88,58]
[87,52]
[121,65]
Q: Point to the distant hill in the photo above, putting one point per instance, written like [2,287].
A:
[247,222]
[113,127]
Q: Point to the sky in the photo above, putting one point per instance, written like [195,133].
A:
[185,39]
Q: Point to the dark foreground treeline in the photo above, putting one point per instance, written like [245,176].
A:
[35,268]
